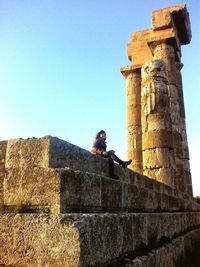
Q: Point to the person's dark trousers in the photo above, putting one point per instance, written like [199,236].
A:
[111,169]
[115,158]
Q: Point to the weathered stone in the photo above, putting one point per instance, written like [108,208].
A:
[35,187]
[155,101]
[133,91]
[155,158]
[156,55]
[53,152]
[154,69]
[80,239]
[163,175]
[166,52]
[38,240]
[176,252]
[48,175]
[157,139]
[84,239]
[63,190]
[158,122]
[3,146]
[80,191]
[27,152]
[138,49]
[173,17]
[161,19]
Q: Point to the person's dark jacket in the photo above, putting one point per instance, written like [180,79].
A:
[99,146]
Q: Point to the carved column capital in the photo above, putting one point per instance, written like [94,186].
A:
[125,71]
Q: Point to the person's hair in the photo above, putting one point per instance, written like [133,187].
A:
[99,133]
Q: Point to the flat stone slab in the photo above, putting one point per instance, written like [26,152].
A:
[85,239]
[52,152]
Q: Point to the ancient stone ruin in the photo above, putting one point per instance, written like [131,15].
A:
[157,140]
[58,205]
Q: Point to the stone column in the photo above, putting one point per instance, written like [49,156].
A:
[184,142]
[157,142]
[166,51]
[133,107]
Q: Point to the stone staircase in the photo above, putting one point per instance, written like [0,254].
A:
[60,208]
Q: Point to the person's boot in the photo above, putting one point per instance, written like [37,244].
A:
[126,163]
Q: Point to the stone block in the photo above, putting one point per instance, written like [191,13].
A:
[84,239]
[27,152]
[135,154]
[79,191]
[64,190]
[163,175]
[39,240]
[157,158]
[136,179]
[52,152]
[176,252]
[159,121]
[161,19]
[157,139]
[137,167]
[32,187]
[178,145]
[139,53]
[138,198]
[111,194]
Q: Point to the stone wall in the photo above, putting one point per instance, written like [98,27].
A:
[182,251]
[102,239]
[53,181]
[60,208]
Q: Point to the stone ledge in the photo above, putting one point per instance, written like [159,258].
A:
[84,239]
[48,151]
[177,251]
[64,190]
[52,152]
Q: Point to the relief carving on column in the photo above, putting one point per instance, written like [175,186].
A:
[155,101]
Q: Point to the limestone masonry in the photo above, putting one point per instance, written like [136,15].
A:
[60,208]
[157,140]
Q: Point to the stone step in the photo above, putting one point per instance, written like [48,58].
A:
[64,190]
[52,152]
[87,239]
[181,251]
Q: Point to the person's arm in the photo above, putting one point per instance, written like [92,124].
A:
[98,148]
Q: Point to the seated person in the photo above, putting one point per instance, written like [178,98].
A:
[99,148]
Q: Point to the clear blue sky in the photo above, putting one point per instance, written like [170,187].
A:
[59,70]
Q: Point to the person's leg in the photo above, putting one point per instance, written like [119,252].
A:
[111,169]
[115,158]
[124,164]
